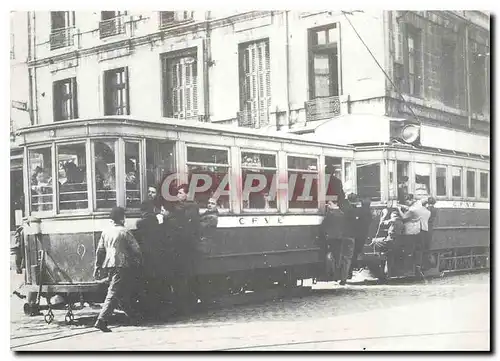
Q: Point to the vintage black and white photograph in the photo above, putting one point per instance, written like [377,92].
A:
[223,180]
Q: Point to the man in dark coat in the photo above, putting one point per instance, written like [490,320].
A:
[184,225]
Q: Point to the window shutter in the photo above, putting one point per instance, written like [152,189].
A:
[56,101]
[74,96]
[127,91]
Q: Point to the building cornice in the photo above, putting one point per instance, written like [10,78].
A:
[151,38]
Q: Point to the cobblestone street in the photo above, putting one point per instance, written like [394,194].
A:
[451,313]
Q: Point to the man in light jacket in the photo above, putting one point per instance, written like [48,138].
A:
[118,254]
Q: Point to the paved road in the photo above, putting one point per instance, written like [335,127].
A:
[446,314]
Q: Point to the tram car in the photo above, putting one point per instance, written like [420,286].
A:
[76,171]
[394,157]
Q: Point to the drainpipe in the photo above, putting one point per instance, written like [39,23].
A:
[30,75]
[34,70]
[287,60]
[207,64]
[467,75]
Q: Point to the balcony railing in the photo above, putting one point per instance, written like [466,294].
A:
[172,18]
[61,38]
[112,27]
[322,108]
[253,119]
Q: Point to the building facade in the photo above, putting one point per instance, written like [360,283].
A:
[278,69]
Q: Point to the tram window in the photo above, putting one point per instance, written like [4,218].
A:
[213,163]
[422,180]
[368,179]
[402,180]
[40,168]
[72,177]
[471,183]
[302,183]
[105,174]
[348,178]
[456,186]
[440,181]
[160,161]
[132,177]
[259,171]
[333,177]
[483,185]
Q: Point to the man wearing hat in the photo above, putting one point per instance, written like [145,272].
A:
[118,254]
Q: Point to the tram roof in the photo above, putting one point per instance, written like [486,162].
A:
[186,125]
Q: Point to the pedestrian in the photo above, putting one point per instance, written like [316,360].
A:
[184,225]
[118,254]
[394,227]
[17,249]
[363,222]
[331,236]
[208,222]
[416,226]
[349,231]
[430,205]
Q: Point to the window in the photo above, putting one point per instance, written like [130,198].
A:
[441,181]
[40,170]
[255,83]
[471,184]
[258,180]
[402,178]
[333,177]
[116,92]
[413,47]
[210,169]
[456,182]
[72,177]
[478,75]
[180,84]
[422,180]
[61,24]
[132,175]
[302,182]
[169,18]
[348,178]
[112,23]
[368,179]
[323,62]
[65,99]
[448,74]
[483,184]
[105,173]
[160,162]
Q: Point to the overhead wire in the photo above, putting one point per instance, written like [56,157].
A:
[345,13]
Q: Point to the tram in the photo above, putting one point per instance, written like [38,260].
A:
[394,156]
[76,171]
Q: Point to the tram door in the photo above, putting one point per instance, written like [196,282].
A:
[160,163]
[16,198]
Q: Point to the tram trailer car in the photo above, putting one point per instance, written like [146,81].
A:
[256,245]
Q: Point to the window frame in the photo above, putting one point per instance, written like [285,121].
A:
[474,172]
[166,87]
[57,192]
[111,91]
[330,48]
[94,183]
[462,182]
[72,97]
[317,172]
[445,181]
[481,171]
[140,175]
[381,167]
[414,33]
[276,169]
[414,180]
[228,165]
[52,211]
